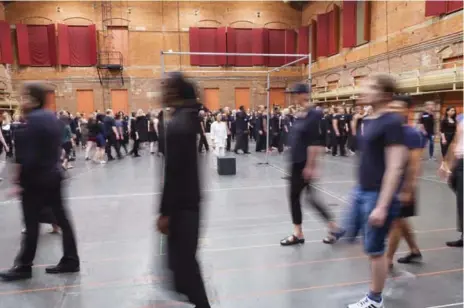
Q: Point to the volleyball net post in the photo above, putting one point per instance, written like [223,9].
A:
[300,58]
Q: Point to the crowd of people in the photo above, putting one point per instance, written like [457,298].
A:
[377,130]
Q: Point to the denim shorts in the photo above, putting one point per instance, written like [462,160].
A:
[363,203]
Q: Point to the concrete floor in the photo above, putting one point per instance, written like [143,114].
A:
[114,208]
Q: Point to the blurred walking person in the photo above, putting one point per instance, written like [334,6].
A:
[39,183]
[180,212]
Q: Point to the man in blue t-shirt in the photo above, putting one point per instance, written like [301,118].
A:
[382,160]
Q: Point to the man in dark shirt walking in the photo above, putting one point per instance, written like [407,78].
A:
[112,135]
[382,161]
[39,182]
[427,125]
[180,212]
[241,126]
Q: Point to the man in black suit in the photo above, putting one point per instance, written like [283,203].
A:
[241,124]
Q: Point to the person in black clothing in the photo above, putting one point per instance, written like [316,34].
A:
[139,130]
[227,117]
[427,125]
[447,130]
[275,130]
[330,131]
[306,145]
[112,135]
[180,212]
[261,129]
[233,125]
[324,126]
[208,122]
[161,133]
[252,125]
[202,131]
[241,125]
[349,137]
[39,179]
[356,125]
[340,129]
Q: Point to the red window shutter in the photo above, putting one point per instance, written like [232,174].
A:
[63,45]
[334,27]
[231,45]
[5,43]
[323,34]
[194,42]
[453,5]
[313,40]
[93,45]
[367,20]
[260,43]
[244,44]
[52,43]
[221,45]
[207,43]
[435,8]
[303,42]
[276,46]
[22,38]
[349,24]
[290,45]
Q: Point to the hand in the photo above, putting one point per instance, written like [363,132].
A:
[378,216]
[309,173]
[405,197]
[15,191]
[443,141]
[338,134]
[260,132]
[163,224]
[7,149]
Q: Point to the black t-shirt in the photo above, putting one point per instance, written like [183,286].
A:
[428,120]
[108,124]
[241,121]
[305,132]
[342,120]
[379,133]
[329,119]
[447,127]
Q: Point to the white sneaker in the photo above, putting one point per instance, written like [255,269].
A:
[366,302]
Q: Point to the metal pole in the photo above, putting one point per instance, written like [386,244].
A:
[268,96]
[288,64]
[231,54]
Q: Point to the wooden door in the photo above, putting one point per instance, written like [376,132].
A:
[85,103]
[211,99]
[452,99]
[120,100]
[242,98]
[277,97]
[119,41]
[51,101]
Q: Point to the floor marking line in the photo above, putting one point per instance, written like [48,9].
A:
[449,305]
[142,280]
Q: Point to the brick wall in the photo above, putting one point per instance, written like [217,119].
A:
[153,26]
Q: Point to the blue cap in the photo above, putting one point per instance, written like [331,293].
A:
[300,88]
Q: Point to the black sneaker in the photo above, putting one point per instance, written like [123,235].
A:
[410,258]
[62,268]
[457,243]
[17,273]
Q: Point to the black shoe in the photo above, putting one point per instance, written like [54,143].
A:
[137,155]
[247,153]
[62,268]
[17,273]
[410,258]
[236,152]
[110,158]
[292,240]
[457,243]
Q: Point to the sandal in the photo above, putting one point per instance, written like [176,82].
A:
[292,240]
[333,237]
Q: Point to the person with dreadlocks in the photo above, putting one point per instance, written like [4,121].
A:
[39,183]
[180,213]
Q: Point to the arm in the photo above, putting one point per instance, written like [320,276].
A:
[335,126]
[421,125]
[395,158]
[2,140]
[412,172]
[202,127]
[265,125]
[354,124]
[442,131]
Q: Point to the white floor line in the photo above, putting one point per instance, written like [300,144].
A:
[449,305]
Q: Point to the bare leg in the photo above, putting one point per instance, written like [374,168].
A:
[394,239]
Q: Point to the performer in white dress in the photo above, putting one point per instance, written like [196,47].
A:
[219,135]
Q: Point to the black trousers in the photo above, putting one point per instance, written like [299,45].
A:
[338,142]
[444,147]
[135,147]
[202,142]
[242,141]
[111,141]
[228,142]
[33,200]
[297,184]
[456,184]
[182,248]
[261,142]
